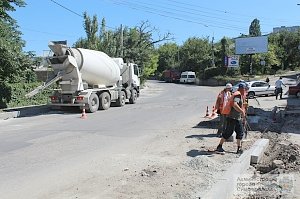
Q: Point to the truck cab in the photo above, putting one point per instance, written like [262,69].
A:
[188,77]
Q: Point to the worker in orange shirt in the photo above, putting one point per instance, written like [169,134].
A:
[222,99]
[236,115]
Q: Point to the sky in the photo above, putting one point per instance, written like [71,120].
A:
[42,21]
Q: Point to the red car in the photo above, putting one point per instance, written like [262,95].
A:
[295,90]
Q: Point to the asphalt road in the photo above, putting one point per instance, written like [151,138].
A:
[39,155]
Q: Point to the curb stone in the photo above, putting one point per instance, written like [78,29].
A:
[24,111]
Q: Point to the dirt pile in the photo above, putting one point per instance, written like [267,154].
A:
[281,156]
[274,176]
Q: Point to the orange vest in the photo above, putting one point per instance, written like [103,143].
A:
[229,104]
[220,102]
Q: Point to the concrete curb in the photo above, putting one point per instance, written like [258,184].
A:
[24,111]
[260,147]
[224,188]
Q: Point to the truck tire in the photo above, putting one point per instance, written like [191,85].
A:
[93,103]
[104,101]
[122,99]
[133,97]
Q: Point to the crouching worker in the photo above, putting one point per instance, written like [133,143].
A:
[235,113]
[222,99]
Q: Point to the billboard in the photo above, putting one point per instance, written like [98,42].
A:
[251,45]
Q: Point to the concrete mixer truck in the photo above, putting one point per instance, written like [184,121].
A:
[90,79]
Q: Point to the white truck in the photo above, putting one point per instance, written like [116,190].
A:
[90,79]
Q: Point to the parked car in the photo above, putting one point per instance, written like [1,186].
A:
[295,90]
[257,88]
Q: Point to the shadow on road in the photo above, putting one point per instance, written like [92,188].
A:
[211,124]
[194,153]
[201,137]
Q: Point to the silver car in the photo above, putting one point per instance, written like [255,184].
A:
[257,88]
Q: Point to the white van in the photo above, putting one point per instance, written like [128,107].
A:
[188,77]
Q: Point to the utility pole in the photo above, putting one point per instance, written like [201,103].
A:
[212,52]
[121,41]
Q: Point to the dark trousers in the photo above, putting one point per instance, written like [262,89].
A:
[278,91]
[233,125]
[222,124]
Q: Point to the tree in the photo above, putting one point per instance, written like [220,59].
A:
[224,51]
[132,44]
[254,29]
[91,29]
[150,66]
[14,63]
[7,6]
[195,54]
[168,56]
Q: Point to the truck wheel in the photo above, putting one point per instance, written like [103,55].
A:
[93,103]
[121,101]
[133,97]
[251,94]
[104,101]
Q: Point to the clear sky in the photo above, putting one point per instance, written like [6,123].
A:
[42,21]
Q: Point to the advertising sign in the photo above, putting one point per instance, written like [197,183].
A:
[233,61]
[251,45]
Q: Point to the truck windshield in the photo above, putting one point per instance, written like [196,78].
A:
[191,76]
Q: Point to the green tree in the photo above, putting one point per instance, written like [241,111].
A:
[168,56]
[15,65]
[254,29]
[150,66]
[91,29]
[285,48]
[7,6]
[195,55]
[223,49]
[132,44]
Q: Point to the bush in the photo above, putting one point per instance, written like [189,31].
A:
[233,72]
[213,71]
[13,95]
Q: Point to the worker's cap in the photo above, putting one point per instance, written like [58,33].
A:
[228,85]
[242,86]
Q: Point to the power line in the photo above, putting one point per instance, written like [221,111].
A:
[67,9]
[227,12]
[64,7]
[192,11]
[181,7]
[175,16]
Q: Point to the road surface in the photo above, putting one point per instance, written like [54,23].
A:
[60,155]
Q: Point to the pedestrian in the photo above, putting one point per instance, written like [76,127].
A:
[278,87]
[235,116]
[268,80]
[222,99]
